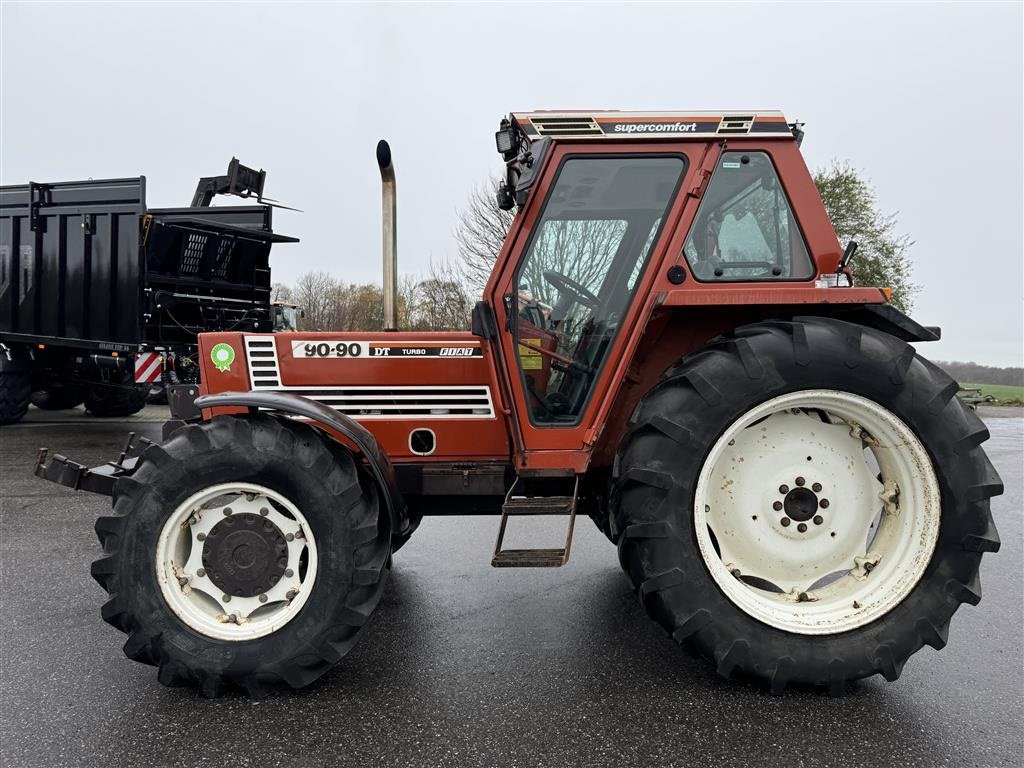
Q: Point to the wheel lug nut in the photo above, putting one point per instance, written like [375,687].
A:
[290,537]
[289,572]
[800,481]
[200,573]
[783,489]
[823,503]
[182,581]
[226,598]
[802,527]
[201,537]
[816,487]
[785,522]
[263,598]
[264,511]
[777,506]
[227,511]
[818,519]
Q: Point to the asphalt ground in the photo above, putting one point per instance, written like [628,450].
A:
[466,665]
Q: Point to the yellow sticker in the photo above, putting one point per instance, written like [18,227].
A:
[530,359]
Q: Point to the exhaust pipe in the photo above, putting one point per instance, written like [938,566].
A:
[389,215]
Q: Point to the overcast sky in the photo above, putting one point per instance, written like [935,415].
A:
[926,99]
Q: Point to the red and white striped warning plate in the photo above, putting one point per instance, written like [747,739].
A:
[148,367]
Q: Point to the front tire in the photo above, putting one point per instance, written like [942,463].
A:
[243,552]
[718,560]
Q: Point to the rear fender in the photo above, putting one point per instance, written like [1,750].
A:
[331,421]
[881,317]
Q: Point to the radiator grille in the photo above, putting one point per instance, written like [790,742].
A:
[381,402]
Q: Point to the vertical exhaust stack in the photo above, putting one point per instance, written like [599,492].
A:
[389,211]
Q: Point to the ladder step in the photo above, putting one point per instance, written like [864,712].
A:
[538,505]
[529,558]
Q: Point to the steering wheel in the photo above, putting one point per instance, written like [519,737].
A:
[567,287]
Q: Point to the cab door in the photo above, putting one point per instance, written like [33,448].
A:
[573,286]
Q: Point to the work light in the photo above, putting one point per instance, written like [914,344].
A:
[505,140]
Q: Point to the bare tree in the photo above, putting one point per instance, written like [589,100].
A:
[440,301]
[315,292]
[479,233]
[280,292]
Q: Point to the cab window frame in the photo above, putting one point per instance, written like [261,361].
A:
[631,292]
[812,274]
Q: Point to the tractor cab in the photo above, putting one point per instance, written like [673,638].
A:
[286,315]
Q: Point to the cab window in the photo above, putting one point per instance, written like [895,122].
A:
[744,228]
[577,277]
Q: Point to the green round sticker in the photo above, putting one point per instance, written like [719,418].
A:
[222,356]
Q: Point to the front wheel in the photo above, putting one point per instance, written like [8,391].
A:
[243,552]
[805,502]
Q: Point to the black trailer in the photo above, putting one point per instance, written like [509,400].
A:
[101,296]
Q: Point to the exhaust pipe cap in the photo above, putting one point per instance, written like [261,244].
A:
[383,154]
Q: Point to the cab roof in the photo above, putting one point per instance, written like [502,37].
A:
[632,125]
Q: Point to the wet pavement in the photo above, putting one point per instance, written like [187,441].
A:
[465,665]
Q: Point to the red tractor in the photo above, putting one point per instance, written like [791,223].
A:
[671,342]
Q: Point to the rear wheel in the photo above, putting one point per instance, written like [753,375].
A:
[805,502]
[15,389]
[116,399]
[58,397]
[243,552]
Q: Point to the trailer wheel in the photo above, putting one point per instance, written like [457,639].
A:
[157,394]
[112,400]
[58,397]
[805,502]
[15,389]
[243,552]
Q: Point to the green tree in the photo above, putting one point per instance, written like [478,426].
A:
[882,252]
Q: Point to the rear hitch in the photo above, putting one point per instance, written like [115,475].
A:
[101,479]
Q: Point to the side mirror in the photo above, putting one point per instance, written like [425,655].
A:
[483,323]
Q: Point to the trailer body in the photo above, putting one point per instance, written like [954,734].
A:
[90,277]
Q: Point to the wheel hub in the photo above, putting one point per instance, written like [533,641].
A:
[245,555]
[801,504]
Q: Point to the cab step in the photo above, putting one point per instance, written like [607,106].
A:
[535,505]
[538,505]
[530,558]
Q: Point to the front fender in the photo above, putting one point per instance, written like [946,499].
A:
[282,402]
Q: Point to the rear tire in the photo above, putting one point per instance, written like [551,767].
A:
[15,390]
[58,397]
[674,433]
[345,560]
[113,400]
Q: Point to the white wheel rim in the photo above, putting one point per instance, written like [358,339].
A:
[834,566]
[191,592]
